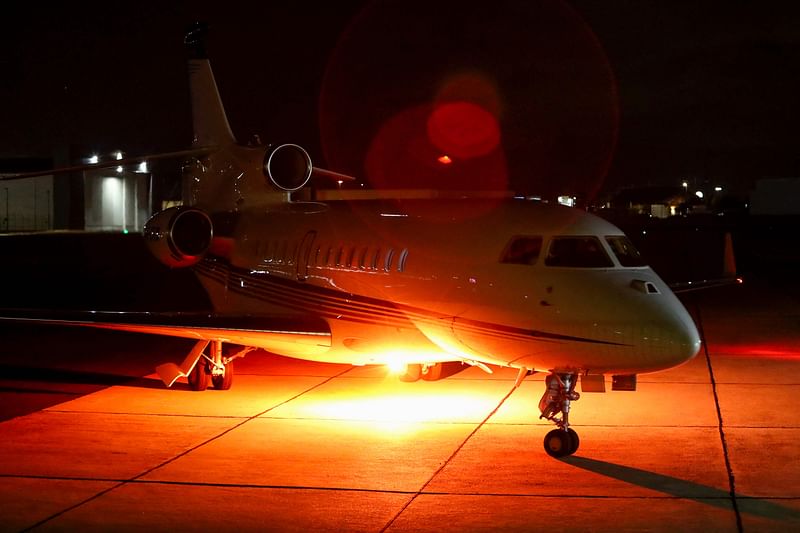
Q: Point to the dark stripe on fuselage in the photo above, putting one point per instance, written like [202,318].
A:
[333,304]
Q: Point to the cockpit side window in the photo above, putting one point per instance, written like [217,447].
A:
[522,251]
[580,252]
[626,252]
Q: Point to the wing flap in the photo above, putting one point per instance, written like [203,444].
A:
[281,334]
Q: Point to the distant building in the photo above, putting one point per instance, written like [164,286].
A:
[97,200]
[658,202]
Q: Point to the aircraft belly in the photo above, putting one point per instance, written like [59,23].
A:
[589,347]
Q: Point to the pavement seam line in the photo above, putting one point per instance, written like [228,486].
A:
[182,454]
[447,461]
[720,427]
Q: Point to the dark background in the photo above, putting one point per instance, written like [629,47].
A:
[588,96]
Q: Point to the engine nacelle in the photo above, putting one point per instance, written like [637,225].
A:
[179,236]
[288,166]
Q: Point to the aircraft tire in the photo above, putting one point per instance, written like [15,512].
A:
[559,443]
[198,377]
[224,381]
[576,441]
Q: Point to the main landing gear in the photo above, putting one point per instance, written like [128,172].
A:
[199,366]
[559,392]
[218,365]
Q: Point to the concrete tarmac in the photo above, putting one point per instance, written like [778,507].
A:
[91,440]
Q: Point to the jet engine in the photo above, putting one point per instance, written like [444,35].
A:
[179,236]
[288,166]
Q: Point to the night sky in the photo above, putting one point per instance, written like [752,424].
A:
[537,96]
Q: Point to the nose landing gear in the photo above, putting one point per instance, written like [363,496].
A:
[559,392]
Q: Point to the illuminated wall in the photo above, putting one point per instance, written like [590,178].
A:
[27,205]
[116,201]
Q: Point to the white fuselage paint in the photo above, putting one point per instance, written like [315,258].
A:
[451,298]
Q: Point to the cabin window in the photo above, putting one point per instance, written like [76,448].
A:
[522,251]
[580,252]
[387,262]
[626,252]
[362,257]
[401,263]
[375,257]
[269,252]
[282,253]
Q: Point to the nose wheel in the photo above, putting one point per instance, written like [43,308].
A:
[560,443]
[559,392]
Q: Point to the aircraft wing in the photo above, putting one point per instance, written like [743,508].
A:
[688,286]
[194,152]
[281,334]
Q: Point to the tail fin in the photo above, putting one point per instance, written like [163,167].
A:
[210,123]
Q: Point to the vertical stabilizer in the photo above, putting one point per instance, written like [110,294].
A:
[210,124]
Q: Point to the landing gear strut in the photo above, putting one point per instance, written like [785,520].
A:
[559,392]
[218,365]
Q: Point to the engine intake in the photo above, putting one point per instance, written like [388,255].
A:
[179,236]
[288,166]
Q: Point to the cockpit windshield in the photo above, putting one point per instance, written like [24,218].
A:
[522,250]
[580,252]
[627,254]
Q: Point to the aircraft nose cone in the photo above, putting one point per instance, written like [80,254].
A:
[678,338]
[687,340]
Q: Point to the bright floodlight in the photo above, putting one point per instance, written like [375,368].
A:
[142,167]
[93,159]
[718,189]
[699,194]
[118,155]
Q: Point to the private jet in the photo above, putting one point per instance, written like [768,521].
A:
[484,283]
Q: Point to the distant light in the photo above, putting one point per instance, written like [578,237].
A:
[93,159]
[125,231]
[340,182]
[396,366]
[118,155]
[699,194]
[685,185]
[718,189]
[568,201]
[445,160]
[142,167]
[119,170]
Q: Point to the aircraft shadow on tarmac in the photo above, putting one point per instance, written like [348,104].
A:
[680,488]
[75,377]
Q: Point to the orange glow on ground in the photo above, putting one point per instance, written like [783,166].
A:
[445,160]
[759,351]
[402,412]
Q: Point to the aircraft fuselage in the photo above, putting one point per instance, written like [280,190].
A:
[430,280]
